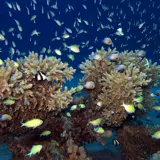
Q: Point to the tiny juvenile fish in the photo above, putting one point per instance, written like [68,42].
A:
[138,99]
[140,106]
[45,133]
[96,122]
[2,38]
[8,102]
[82,106]
[99,130]
[58,52]
[71,57]
[99,103]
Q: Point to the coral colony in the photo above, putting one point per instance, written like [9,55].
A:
[42,119]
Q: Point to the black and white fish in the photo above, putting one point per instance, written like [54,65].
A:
[40,76]
[116,142]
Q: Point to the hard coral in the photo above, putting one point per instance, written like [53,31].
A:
[114,87]
[33,99]
[75,152]
[19,82]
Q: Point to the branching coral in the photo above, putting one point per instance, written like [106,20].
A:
[76,153]
[24,97]
[113,87]
[19,82]
[30,98]
[119,89]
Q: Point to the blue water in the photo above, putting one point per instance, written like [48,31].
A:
[127,14]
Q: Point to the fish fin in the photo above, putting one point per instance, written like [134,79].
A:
[22,124]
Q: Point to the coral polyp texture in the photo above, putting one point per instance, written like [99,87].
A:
[119,77]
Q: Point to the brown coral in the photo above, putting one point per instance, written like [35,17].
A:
[75,152]
[134,139]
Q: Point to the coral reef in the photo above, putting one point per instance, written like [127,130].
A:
[34,87]
[23,97]
[119,81]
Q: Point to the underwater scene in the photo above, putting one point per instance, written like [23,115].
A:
[79,79]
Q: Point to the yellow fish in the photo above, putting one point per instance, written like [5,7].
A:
[140,106]
[138,99]
[129,108]
[99,130]
[96,122]
[8,102]
[35,149]
[45,133]
[1,62]
[157,108]
[156,135]
[2,38]
[33,123]
[74,48]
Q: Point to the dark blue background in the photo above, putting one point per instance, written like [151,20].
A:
[48,27]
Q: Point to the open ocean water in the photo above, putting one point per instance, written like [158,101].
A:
[48,26]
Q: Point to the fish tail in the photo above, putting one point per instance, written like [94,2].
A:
[22,124]
[29,154]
